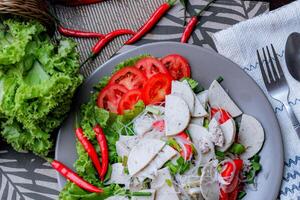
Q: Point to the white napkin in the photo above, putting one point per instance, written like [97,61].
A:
[239,43]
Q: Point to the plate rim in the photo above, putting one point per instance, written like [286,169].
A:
[209,51]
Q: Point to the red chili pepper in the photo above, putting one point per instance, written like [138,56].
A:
[77,33]
[152,21]
[73,177]
[108,37]
[104,150]
[104,41]
[89,148]
[190,27]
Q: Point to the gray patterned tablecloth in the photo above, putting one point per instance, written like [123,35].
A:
[26,176]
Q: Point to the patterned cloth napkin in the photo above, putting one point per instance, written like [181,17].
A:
[239,43]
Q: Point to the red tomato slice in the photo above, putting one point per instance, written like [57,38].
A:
[129,77]
[128,100]
[156,88]
[188,147]
[223,117]
[159,125]
[110,96]
[151,66]
[177,66]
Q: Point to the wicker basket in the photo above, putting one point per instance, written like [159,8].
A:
[30,9]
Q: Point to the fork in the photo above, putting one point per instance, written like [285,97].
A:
[276,83]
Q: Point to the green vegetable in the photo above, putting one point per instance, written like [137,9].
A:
[237,148]
[205,123]
[169,182]
[172,142]
[153,110]
[193,84]
[113,125]
[180,167]
[220,155]
[37,82]
[241,195]
[220,79]
[255,168]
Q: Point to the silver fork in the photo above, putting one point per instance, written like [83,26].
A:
[276,83]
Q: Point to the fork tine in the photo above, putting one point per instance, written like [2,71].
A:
[267,66]
[261,66]
[278,68]
[273,70]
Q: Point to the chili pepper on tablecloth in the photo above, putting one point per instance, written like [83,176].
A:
[152,21]
[73,177]
[78,33]
[89,148]
[104,41]
[104,149]
[190,27]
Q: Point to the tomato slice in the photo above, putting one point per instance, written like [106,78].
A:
[110,96]
[128,100]
[156,88]
[129,77]
[223,117]
[188,147]
[177,66]
[151,66]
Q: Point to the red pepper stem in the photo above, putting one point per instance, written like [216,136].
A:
[204,9]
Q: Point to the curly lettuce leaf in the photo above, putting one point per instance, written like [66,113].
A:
[37,82]
[14,39]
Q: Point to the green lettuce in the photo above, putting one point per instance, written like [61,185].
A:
[37,82]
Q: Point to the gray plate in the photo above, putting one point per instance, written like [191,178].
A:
[206,66]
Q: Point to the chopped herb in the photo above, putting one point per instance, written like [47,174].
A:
[169,182]
[153,110]
[139,194]
[199,172]
[241,195]
[237,148]
[120,159]
[219,168]
[220,154]
[255,167]
[147,183]
[206,123]
[124,162]
[108,173]
[180,167]
[220,79]
[126,170]
[193,84]
[172,142]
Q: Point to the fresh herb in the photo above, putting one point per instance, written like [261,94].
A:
[108,174]
[193,84]
[153,110]
[255,168]
[241,195]
[220,79]
[169,182]
[220,155]
[124,162]
[237,148]
[147,183]
[199,172]
[206,123]
[172,142]
[180,167]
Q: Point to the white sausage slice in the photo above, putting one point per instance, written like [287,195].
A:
[142,154]
[218,98]
[251,135]
[183,90]
[177,115]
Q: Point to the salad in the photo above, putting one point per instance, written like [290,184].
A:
[165,137]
